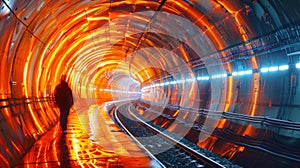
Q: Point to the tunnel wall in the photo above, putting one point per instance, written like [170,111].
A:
[277,92]
[22,122]
[25,113]
[270,123]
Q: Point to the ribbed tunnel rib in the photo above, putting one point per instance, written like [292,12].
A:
[234,60]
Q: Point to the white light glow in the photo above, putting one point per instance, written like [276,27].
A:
[219,76]
[190,80]
[173,82]
[249,72]
[298,65]
[283,67]
[180,81]
[264,70]
[202,78]
[272,69]
[241,73]
[121,91]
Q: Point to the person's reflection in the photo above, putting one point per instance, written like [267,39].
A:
[64,152]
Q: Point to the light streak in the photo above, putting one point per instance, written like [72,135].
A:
[283,67]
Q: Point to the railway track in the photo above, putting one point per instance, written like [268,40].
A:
[165,149]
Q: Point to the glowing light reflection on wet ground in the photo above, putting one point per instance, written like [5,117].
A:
[80,148]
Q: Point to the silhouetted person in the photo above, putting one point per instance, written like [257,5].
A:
[64,101]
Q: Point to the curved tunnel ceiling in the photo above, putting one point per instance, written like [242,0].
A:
[94,41]
[240,57]
[98,42]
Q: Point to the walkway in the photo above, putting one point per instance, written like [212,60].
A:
[93,140]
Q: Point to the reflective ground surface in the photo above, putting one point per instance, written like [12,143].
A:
[85,145]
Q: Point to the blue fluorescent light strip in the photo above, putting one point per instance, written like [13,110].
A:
[242,73]
[272,69]
[265,69]
[249,71]
[219,76]
[202,78]
[173,82]
[283,67]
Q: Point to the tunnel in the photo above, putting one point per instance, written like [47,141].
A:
[223,75]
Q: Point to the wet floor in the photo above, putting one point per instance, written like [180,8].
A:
[92,140]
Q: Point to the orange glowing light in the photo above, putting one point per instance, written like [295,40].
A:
[255,93]
[245,37]
[254,62]
[185,115]
[255,84]
[176,113]
[4,159]
[229,95]
[221,123]
[248,130]
[164,124]
[235,13]
[230,83]
[200,21]
[241,148]
[26,74]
